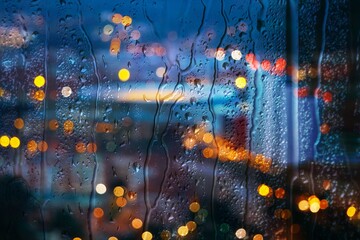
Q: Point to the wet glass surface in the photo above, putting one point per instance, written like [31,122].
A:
[179,119]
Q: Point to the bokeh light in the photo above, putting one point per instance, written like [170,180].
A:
[314,203]
[240,233]
[121,202]
[124,74]
[240,82]
[39,81]
[108,29]
[19,123]
[191,225]
[135,34]
[100,188]
[66,91]
[258,237]
[39,95]
[236,55]
[194,207]
[146,235]
[53,125]
[126,21]
[115,46]
[183,231]
[68,126]
[14,142]
[136,223]
[80,147]
[4,141]
[160,71]
[119,191]
[350,212]
[42,146]
[263,190]
[303,205]
[116,18]
[208,137]
[32,146]
[98,212]
[279,193]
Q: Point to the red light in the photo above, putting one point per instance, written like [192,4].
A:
[266,65]
[280,65]
[302,92]
[327,97]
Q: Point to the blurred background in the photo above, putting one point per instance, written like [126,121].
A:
[179,119]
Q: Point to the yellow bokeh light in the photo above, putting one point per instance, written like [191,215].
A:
[351,211]
[208,138]
[240,82]
[124,74]
[194,207]
[76,238]
[146,235]
[240,233]
[301,74]
[14,142]
[126,21]
[183,231]
[39,81]
[258,237]
[4,141]
[19,123]
[112,238]
[119,191]
[191,225]
[68,126]
[279,193]
[100,188]
[136,223]
[313,199]
[314,207]
[314,203]
[189,143]
[303,205]
[39,95]
[263,190]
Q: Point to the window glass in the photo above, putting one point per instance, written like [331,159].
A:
[179,119]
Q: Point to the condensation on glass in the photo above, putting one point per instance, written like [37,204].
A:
[179,119]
